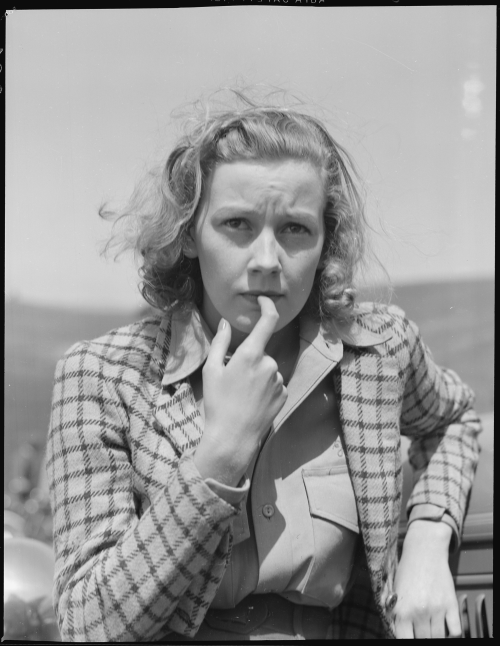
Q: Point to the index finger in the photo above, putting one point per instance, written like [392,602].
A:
[265,326]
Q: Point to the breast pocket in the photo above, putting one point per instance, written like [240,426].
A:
[331,496]
[334,519]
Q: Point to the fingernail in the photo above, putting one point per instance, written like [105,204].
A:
[222,325]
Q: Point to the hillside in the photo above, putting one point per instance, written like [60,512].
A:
[456,320]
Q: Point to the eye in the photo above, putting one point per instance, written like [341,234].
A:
[295,228]
[237,224]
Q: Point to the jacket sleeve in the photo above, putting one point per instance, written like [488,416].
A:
[121,577]
[438,415]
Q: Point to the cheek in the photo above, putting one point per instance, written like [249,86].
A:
[208,255]
[217,267]
[218,273]
[305,270]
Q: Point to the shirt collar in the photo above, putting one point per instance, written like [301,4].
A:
[191,338]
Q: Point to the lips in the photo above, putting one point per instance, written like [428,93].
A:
[252,296]
[269,294]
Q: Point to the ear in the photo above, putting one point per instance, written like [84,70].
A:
[189,247]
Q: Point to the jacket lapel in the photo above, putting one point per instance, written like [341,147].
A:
[178,416]
[369,397]
[181,347]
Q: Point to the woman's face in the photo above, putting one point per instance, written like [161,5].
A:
[259,230]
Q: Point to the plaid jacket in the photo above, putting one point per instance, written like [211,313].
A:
[142,542]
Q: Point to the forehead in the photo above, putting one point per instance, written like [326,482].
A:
[284,182]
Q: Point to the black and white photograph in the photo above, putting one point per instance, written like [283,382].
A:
[249,322]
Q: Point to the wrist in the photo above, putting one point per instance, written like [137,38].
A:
[220,463]
[428,534]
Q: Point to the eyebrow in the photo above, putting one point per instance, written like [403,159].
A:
[233,211]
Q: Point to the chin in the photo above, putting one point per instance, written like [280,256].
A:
[244,323]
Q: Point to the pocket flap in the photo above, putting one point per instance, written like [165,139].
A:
[331,496]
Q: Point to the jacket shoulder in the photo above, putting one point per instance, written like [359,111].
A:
[390,323]
[379,317]
[127,344]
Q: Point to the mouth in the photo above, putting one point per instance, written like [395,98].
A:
[252,296]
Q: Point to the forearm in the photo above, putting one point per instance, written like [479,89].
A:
[438,414]
[445,463]
[135,587]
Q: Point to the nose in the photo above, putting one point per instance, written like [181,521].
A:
[265,254]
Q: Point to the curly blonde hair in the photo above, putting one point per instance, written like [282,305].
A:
[164,204]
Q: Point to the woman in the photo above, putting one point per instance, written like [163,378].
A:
[230,469]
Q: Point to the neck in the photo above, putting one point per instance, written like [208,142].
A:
[284,344]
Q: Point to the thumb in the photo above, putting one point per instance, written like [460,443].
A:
[220,344]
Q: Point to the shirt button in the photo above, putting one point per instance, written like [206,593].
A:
[268,511]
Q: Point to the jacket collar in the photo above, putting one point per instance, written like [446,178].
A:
[184,339]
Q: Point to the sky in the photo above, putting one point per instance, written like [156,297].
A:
[410,91]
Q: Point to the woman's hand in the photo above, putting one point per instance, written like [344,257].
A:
[424,585]
[241,399]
